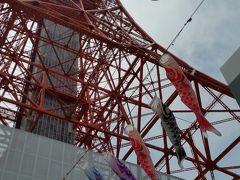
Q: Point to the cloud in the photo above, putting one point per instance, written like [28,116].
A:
[206,43]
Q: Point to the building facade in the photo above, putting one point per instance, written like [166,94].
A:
[231,73]
[60,60]
[28,156]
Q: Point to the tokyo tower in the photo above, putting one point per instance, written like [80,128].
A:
[80,71]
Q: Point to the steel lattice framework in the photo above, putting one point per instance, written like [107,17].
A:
[117,76]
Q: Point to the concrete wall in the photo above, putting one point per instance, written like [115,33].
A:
[27,156]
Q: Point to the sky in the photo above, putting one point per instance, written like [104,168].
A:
[206,43]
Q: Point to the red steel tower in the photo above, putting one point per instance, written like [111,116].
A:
[101,74]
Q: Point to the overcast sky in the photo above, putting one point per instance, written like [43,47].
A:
[206,43]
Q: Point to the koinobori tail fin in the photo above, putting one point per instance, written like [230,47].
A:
[181,154]
[206,126]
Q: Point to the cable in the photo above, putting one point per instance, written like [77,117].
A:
[188,21]
[183,119]
[80,158]
[149,73]
[175,38]
[177,35]
[75,164]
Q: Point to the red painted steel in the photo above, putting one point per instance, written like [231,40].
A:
[113,59]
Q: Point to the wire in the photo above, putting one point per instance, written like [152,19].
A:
[188,21]
[183,119]
[177,35]
[149,73]
[80,158]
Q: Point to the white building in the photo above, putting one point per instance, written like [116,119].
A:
[231,73]
[28,156]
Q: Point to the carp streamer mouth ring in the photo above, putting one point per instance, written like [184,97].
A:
[164,59]
[128,129]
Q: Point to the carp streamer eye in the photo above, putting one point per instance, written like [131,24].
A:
[174,75]
[171,74]
[137,145]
